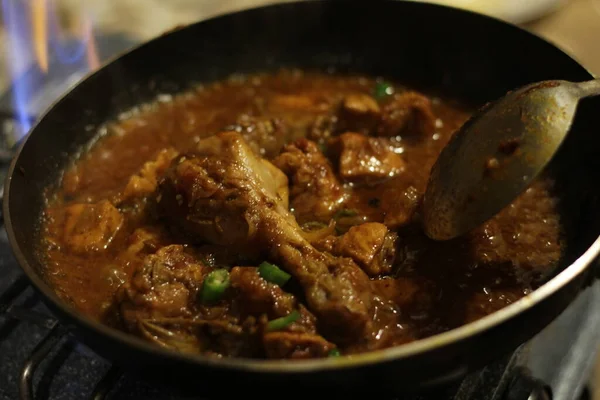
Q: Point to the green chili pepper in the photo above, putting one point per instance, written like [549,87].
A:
[272,273]
[382,89]
[280,323]
[214,286]
[334,353]
[313,225]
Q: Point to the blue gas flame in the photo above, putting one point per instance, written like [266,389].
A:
[19,42]
[67,59]
[66,52]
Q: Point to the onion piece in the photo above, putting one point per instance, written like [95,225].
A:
[314,235]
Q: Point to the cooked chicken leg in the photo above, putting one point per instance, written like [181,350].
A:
[224,193]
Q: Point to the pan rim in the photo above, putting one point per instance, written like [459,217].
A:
[435,342]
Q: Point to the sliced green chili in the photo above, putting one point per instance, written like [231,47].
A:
[313,225]
[281,323]
[272,273]
[214,286]
[334,353]
[382,89]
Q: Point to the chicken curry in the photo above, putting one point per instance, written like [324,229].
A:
[277,216]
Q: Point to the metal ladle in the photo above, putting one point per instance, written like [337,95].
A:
[497,153]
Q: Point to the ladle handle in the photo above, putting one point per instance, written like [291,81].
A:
[589,88]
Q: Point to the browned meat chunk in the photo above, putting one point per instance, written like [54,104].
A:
[402,211]
[364,159]
[142,242]
[315,193]
[165,286]
[161,303]
[370,245]
[144,182]
[257,296]
[91,227]
[336,289]
[409,113]
[202,194]
[296,345]
[265,136]
[358,113]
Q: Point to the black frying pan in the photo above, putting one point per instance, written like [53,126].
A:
[464,55]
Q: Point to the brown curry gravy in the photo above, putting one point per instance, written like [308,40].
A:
[437,285]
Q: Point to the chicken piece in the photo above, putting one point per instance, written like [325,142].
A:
[141,243]
[225,179]
[144,182]
[257,296]
[165,286]
[371,245]
[91,227]
[358,113]
[160,302]
[265,136]
[295,345]
[207,195]
[408,113]
[315,193]
[364,159]
[402,211]
[336,289]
